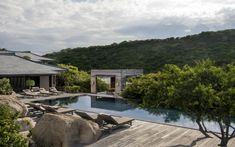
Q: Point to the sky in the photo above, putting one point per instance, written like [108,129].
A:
[44,26]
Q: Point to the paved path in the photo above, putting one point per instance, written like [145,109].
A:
[146,134]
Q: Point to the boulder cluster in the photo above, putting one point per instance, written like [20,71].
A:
[53,130]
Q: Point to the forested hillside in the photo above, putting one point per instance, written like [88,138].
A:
[152,54]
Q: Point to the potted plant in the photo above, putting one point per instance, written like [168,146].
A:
[30,83]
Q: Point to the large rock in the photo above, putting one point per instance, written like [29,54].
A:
[15,104]
[59,130]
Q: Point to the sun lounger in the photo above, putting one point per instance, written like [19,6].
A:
[35,109]
[54,90]
[51,109]
[44,92]
[87,115]
[64,110]
[113,122]
[37,106]
[57,109]
[27,92]
[35,89]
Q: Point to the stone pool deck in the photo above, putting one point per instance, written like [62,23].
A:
[63,95]
[147,134]
[52,97]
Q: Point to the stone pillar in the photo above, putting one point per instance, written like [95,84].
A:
[118,85]
[53,81]
[93,84]
[123,82]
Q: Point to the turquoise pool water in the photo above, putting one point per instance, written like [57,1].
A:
[123,108]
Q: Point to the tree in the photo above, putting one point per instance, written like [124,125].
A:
[9,130]
[203,92]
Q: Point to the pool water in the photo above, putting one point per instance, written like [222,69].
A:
[121,107]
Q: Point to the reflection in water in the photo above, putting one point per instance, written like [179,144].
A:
[118,105]
[110,104]
[127,108]
[60,102]
[168,115]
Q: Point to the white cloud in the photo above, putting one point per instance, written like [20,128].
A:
[49,25]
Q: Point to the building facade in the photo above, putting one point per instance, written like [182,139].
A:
[22,66]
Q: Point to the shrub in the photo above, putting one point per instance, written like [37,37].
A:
[101,85]
[26,57]
[9,130]
[72,89]
[30,83]
[82,79]
[5,87]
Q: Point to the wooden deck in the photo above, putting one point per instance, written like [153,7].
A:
[146,134]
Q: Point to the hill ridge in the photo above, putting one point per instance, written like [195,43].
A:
[152,54]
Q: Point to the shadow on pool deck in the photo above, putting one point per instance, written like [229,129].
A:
[153,134]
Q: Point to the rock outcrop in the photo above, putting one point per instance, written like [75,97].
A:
[59,130]
[15,104]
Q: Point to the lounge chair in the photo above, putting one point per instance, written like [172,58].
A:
[27,92]
[113,122]
[87,115]
[37,106]
[35,109]
[54,90]
[35,89]
[44,92]
[57,109]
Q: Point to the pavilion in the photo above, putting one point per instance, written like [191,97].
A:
[118,77]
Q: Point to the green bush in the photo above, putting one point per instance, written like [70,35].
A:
[72,89]
[27,57]
[30,83]
[73,77]
[101,86]
[5,87]
[9,130]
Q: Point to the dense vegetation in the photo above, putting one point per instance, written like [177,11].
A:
[9,130]
[5,87]
[153,54]
[203,92]
[74,80]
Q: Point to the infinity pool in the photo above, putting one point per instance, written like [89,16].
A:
[121,107]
